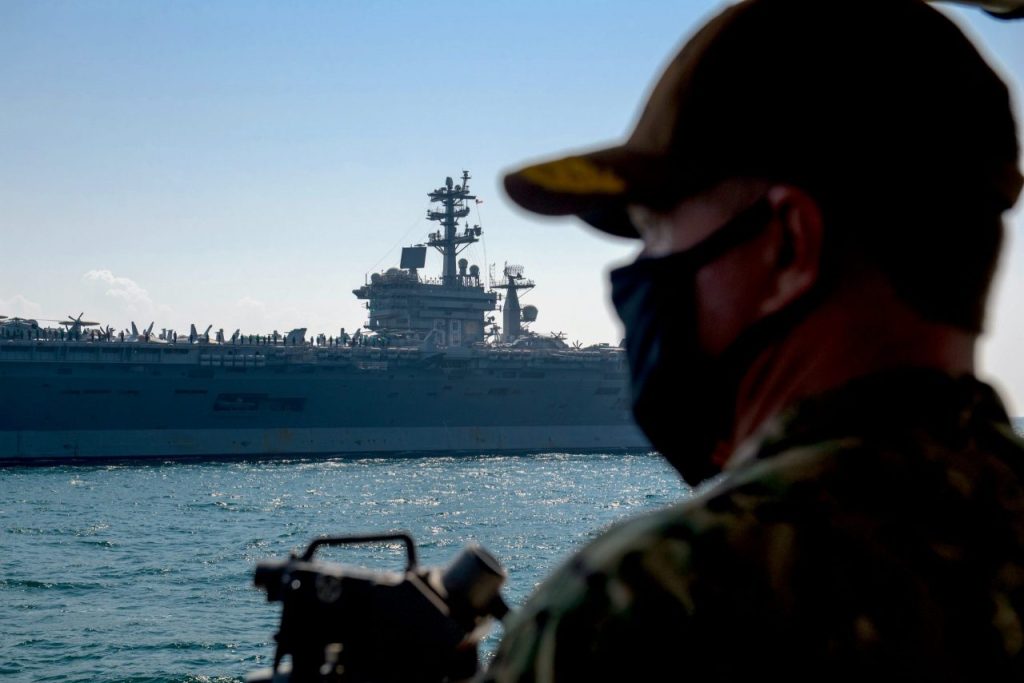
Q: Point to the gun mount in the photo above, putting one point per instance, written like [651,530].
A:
[340,623]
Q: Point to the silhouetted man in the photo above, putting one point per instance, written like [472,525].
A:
[819,189]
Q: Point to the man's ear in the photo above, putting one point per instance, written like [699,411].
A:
[798,236]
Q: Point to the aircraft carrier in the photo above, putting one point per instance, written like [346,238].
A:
[432,371]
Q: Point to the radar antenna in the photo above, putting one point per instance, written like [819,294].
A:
[450,242]
[512,318]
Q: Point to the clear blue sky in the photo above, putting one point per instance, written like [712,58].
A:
[246,163]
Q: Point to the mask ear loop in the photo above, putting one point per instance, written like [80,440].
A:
[787,252]
[741,228]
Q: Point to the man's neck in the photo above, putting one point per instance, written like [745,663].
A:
[852,335]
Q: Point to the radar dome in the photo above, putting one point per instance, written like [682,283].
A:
[529,314]
[375,278]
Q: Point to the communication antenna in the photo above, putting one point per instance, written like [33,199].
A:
[449,241]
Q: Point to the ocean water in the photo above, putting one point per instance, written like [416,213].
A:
[143,572]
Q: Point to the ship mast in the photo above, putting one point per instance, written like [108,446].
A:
[511,311]
[449,242]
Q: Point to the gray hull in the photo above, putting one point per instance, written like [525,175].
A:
[178,443]
[111,401]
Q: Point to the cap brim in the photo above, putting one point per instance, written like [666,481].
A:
[597,187]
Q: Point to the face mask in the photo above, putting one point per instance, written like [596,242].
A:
[684,399]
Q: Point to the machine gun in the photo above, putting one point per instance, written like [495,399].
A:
[341,624]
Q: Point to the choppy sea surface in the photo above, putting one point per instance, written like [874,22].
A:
[143,572]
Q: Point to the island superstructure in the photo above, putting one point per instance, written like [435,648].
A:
[430,372]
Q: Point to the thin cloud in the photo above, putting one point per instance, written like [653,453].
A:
[19,306]
[248,303]
[124,296]
[123,288]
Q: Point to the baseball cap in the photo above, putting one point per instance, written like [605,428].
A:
[830,95]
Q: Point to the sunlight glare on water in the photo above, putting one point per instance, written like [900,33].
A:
[143,572]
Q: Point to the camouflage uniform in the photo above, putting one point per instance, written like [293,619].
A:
[878,529]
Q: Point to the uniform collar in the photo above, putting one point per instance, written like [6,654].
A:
[885,403]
